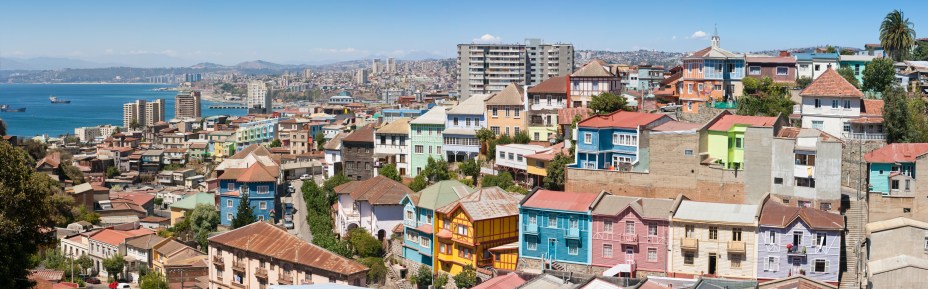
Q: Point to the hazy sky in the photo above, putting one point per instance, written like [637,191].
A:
[228,32]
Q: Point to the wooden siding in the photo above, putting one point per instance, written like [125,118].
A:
[639,241]
[719,247]
[506,260]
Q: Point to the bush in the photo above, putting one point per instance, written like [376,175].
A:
[378,271]
[364,244]
[423,278]
[467,278]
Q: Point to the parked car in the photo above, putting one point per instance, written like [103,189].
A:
[670,107]
[123,286]
[92,280]
[304,177]
[288,222]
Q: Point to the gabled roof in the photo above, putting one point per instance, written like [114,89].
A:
[897,153]
[556,85]
[255,149]
[727,121]
[145,242]
[716,212]
[831,84]
[871,107]
[777,215]
[378,190]
[716,283]
[713,52]
[486,203]
[511,95]
[336,142]
[648,208]
[770,59]
[266,239]
[677,126]
[797,281]
[546,281]
[594,68]
[169,247]
[52,159]
[436,115]
[508,281]
[895,223]
[191,202]
[470,106]
[442,193]
[398,126]
[562,201]
[362,134]
[116,237]
[623,119]
[257,172]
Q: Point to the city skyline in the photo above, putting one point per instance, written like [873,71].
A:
[166,34]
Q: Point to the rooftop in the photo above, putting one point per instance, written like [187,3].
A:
[556,85]
[362,134]
[649,208]
[442,193]
[486,203]
[563,201]
[716,212]
[594,68]
[897,152]
[775,214]
[728,120]
[470,106]
[622,119]
[511,95]
[436,115]
[831,84]
[378,190]
[398,126]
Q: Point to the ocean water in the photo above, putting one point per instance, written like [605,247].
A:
[91,104]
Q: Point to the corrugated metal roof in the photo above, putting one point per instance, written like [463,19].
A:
[716,212]
[775,214]
[442,193]
[486,203]
[650,208]
[564,201]
[470,106]
[897,152]
[398,126]
[436,115]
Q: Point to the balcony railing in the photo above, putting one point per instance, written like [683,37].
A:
[655,239]
[531,229]
[736,247]
[797,251]
[261,272]
[238,265]
[217,260]
[865,136]
[689,244]
[286,278]
[573,233]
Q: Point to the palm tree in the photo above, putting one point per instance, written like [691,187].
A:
[897,35]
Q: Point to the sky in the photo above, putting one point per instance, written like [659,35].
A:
[175,33]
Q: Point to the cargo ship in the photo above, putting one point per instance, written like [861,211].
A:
[6,108]
[54,99]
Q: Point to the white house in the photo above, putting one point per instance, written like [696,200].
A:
[511,158]
[108,242]
[391,145]
[333,155]
[833,105]
[813,65]
[372,204]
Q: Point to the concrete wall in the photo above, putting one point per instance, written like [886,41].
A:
[914,206]
[853,166]
[907,277]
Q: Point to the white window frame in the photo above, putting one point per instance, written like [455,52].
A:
[573,248]
[786,69]
[607,250]
[262,205]
[607,227]
[229,203]
[751,70]
[815,264]
[652,254]
[587,138]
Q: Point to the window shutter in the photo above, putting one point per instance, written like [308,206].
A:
[767,264]
[776,261]
[827,265]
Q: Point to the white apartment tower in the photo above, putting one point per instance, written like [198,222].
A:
[376,66]
[133,112]
[360,78]
[258,98]
[187,104]
[488,68]
[154,112]
[391,65]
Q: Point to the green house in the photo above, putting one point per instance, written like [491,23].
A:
[187,204]
[722,140]
[425,138]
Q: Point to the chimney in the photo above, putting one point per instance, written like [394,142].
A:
[784,53]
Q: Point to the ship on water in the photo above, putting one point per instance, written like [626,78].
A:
[55,99]
[6,108]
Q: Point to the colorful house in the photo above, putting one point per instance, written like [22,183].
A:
[544,101]
[418,218]
[391,145]
[630,235]
[468,228]
[504,111]
[780,69]
[894,189]
[798,241]
[835,106]
[591,79]
[713,239]
[857,63]
[258,182]
[556,227]
[723,137]
[464,120]
[425,135]
[181,208]
[373,204]
[711,74]
[813,65]
[611,142]
[537,164]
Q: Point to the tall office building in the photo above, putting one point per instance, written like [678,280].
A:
[258,99]
[488,68]
[187,105]
[376,66]
[154,112]
[360,78]
[391,65]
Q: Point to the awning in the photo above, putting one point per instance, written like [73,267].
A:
[618,268]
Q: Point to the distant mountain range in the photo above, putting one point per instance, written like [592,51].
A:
[44,63]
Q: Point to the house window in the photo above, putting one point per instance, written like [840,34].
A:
[834,103]
[821,240]
[228,203]
[588,138]
[418,131]
[821,265]
[409,216]
[805,204]
[782,70]
[574,223]
[817,67]
[424,242]
[688,258]
[629,227]
[519,157]
[826,206]
[419,149]
[736,260]
[736,234]
[262,205]
[739,143]
[689,88]
[510,156]
[847,104]
[262,189]
[652,254]
[517,113]
[502,155]
[467,121]
[688,152]
[652,229]
[260,218]
[713,233]
[595,85]
[805,182]
[699,87]
[818,103]
[778,181]
[846,127]
[771,237]
[572,248]
[772,265]
[805,160]
[229,216]
[455,121]
[536,136]
[818,124]
[495,130]
[856,69]
[462,230]
[690,231]
[754,70]
[230,186]
[506,110]
[430,149]
[532,243]
[495,112]
[607,226]
[731,68]
[616,138]
[552,220]
[607,250]
[894,184]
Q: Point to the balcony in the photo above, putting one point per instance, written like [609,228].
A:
[736,247]
[237,285]
[629,239]
[285,278]
[531,229]
[352,216]
[796,251]
[261,272]
[573,233]
[238,265]
[691,244]
[217,260]
[865,136]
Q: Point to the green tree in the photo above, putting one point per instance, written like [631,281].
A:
[418,183]
[848,73]
[114,265]
[879,75]
[556,172]
[389,171]
[2,127]
[320,141]
[898,117]
[436,170]
[35,149]
[364,244]
[422,278]
[83,214]
[134,124]
[378,272]
[275,144]
[605,103]
[847,51]
[485,135]
[441,279]
[153,280]
[467,278]
[764,105]
[921,51]
[112,172]
[521,138]
[897,35]
[803,82]
[27,206]
[204,219]
[830,49]
[750,85]
[245,214]
[470,168]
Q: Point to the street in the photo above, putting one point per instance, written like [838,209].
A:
[300,226]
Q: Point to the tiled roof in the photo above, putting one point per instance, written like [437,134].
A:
[727,121]
[622,119]
[486,203]
[46,274]
[557,84]
[897,152]
[649,208]
[258,172]
[775,214]
[255,149]
[549,154]
[336,142]
[594,68]
[712,52]
[716,212]
[442,193]
[398,126]
[116,237]
[362,134]
[677,126]
[565,116]
[796,132]
[831,84]
[137,198]
[436,115]
[266,239]
[378,190]
[797,281]
[564,201]
[871,107]
[145,242]
[170,246]
[511,95]
[714,283]
[770,59]
[508,281]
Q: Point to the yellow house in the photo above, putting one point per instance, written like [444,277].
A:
[506,256]
[537,164]
[468,228]
[506,111]
[182,207]
[164,250]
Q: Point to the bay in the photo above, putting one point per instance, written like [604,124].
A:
[91,105]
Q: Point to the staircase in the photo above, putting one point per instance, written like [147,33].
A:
[395,276]
[557,266]
[855,217]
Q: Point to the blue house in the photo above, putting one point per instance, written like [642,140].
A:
[555,227]
[258,181]
[892,168]
[460,134]
[392,114]
[798,241]
[611,142]
[419,218]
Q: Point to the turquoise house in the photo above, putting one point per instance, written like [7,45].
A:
[892,168]
[555,227]
[419,218]
[425,138]
[857,63]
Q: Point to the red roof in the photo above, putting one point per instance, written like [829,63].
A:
[116,237]
[770,59]
[257,172]
[622,119]
[897,152]
[872,107]
[136,198]
[566,115]
[557,84]
[831,84]
[508,281]
[425,228]
[677,126]
[727,121]
[778,215]
[564,201]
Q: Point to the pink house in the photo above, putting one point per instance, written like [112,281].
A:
[630,235]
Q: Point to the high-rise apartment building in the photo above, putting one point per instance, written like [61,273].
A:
[376,66]
[154,112]
[307,73]
[143,113]
[360,78]
[391,65]
[187,105]
[488,68]
[258,98]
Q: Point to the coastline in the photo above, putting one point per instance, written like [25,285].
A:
[86,83]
